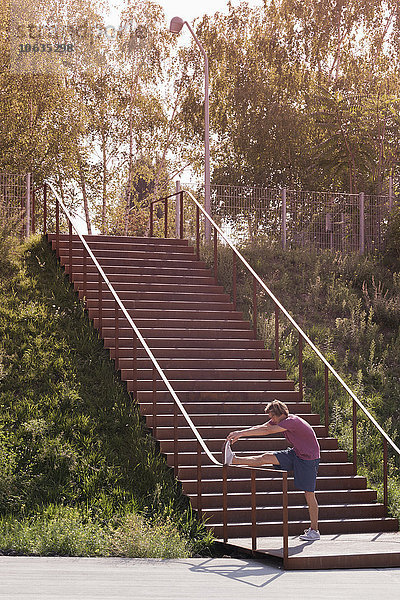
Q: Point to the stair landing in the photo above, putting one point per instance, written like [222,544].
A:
[343,551]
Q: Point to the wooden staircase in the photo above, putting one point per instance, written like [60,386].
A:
[222,375]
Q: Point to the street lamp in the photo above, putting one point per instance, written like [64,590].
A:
[175,27]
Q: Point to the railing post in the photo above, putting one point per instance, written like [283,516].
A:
[100,290]
[215,256]
[234,276]
[178,208]
[84,275]
[284,218]
[175,437]
[225,503]
[166,218]
[276,337]
[181,216]
[70,248]
[253,511]
[327,400]
[28,205]
[301,367]
[199,503]
[33,211]
[255,307]
[45,209]
[362,223]
[391,191]
[197,233]
[385,473]
[354,437]
[135,348]
[57,225]
[285,519]
[151,220]
[116,335]
[154,402]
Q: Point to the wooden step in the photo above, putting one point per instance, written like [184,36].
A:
[171,353]
[173,324]
[223,409]
[178,295]
[286,395]
[162,305]
[120,238]
[273,484]
[209,471]
[191,458]
[187,315]
[331,526]
[255,444]
[202,419]
[295,498]
[300,513]
[167,433]
[225,385]
[211,375]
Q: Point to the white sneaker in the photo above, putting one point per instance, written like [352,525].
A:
[228,455]
[310,535]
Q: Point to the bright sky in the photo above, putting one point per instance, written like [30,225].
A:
[190,10]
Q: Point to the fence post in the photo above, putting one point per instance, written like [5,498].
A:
[177,209]
[45,208]
[284,218]
[28,204]
[33,211]
[362,223]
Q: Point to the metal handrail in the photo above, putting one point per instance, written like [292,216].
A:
[139,335]
[291,319]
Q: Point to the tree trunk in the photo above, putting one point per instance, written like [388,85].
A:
[85,200]
[104,203]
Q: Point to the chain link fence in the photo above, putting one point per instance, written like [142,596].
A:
[16,202]
[293,218]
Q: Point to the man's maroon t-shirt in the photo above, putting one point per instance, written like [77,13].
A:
[300,436]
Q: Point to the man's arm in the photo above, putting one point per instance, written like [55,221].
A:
[265,429]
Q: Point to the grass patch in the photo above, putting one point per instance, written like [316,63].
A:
[67,531]
[70,434]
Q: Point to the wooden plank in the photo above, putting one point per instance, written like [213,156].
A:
[344,551]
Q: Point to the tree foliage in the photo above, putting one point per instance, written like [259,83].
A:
[303,93]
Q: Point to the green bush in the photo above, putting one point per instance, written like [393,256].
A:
[392,240]
[137,538]
[59,530]
[68,531]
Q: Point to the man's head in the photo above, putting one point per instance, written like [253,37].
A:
[277,411]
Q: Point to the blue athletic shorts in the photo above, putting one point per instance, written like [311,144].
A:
[305,471]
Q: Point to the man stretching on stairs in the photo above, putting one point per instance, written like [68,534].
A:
[302,458]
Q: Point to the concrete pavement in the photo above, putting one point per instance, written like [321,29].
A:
[58,578]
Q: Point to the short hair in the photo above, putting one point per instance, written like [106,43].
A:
[277,408]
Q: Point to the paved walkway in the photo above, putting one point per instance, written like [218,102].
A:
[56,578]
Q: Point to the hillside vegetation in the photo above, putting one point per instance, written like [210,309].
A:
[349,306]
[79,471]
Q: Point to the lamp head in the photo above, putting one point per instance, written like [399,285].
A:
[176,25]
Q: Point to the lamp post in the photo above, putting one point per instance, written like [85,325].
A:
[175,27]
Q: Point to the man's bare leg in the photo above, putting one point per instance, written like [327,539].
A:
[268,458]
[312,509]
